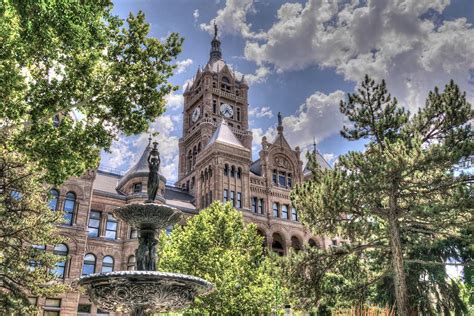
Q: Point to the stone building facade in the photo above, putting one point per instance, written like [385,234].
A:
[215,163]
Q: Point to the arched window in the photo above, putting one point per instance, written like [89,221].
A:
[277,245]
[312,243]
[226,169]
[89,264]
[69,206]
[239,173]
[53,202]
[199,147]
[131,263]
[190,161]
[210,172]
[108,264]
[194,155]
[225,80]
[60,268]
[232,171]
[295,243]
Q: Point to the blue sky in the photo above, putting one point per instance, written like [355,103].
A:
[302,57]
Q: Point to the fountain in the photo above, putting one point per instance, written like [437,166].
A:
[145,290]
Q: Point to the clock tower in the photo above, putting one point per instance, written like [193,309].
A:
[216,96]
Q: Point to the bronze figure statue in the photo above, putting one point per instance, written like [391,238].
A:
[153,176]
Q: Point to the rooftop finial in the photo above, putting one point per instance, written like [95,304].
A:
[280,123]
[216,53]
[215,29]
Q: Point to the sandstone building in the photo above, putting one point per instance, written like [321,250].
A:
[215,163]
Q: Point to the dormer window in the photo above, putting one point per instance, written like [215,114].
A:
[137,187]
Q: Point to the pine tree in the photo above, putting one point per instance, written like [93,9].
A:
[398,203]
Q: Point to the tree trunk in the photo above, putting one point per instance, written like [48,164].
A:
[401,291]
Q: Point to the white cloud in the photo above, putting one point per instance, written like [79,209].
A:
[174,101]
[258,133]
[182,65]
[126,151]
[232,19]
[389,40]
[260,112]
[196,15]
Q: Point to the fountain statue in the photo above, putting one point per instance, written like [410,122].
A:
[145,290]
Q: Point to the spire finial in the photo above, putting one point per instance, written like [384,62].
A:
[215,29]
[280,124]
[314,145]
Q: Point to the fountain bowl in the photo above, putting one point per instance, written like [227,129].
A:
[150,291]
[148,215]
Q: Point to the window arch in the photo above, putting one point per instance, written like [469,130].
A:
[226,169]
[131,263]
[232,171]
[239,172]
[69,207]
[53,202]
[295,243]
[88,266]
[277,244]
[60,268]
[108,264]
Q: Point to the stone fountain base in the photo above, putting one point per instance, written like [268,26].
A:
[141,292]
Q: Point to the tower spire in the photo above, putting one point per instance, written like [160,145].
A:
[216,53]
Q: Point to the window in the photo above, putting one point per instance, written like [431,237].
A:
[239,200]
[232,197]
[37,250]
[83,309]
[275,210]
[334,242]
[284,211]
[226,169]
[274,177]
[108,264]
[294,214]
[69,206]
[290,183]
[214,104]
[53,202]
[89,264]
[238,114]
[282,179]
[239,173]
[133,233]
[111,227]
[312,243]
[254,204]
[52,307]
[226,192]
[137,187]
[94,224]
[131,263]
[60,268]
[232,171]
[260,206]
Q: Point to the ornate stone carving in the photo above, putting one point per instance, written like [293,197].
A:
[281,162]
[147,291]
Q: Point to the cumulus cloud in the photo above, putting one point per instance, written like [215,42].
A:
[232,19]
[182,65]
[260,112]
[126,151]
[385,39]
[174,101]
[196,15]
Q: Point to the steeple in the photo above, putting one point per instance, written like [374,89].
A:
[280,124]
[216,53]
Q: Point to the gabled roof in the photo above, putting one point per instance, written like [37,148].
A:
[224,135]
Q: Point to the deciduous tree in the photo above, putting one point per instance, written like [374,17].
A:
[216,245]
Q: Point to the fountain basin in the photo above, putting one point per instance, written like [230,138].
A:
[150,291]
[148,215]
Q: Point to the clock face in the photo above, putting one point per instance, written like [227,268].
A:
[227,110]
[196,113]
